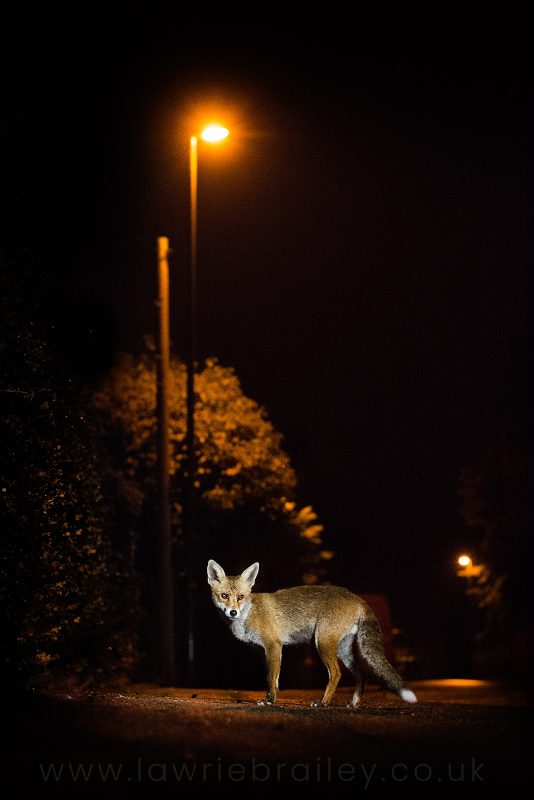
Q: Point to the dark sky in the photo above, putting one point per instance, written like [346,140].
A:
[361,255]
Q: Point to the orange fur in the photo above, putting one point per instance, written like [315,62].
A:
[341,624]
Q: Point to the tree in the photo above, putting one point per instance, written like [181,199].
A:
[67,587]
[244,480]
[245,484]
[494,492]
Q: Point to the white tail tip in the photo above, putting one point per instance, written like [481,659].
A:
[408,696]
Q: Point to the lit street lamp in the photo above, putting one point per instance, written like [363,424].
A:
[212,134]
[468,569]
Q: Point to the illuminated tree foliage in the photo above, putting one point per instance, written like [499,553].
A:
[245,481]
[67,587]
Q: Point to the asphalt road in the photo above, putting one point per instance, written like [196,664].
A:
[461,733]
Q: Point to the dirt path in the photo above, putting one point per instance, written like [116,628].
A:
[460,732]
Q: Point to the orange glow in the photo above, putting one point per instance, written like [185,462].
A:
[468,683]
[214,133]
[464,561]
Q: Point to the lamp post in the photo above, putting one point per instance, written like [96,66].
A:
[466,568]
[211,134]
[465,561]
[165,607]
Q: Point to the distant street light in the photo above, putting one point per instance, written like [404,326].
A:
[212,134]
[468,568]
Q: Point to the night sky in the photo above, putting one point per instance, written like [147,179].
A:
[361,257]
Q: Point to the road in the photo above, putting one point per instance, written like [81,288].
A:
[460,733]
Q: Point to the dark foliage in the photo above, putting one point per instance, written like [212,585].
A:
[68,595]
[495,491]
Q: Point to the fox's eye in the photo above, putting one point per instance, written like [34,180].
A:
[224,596]
[240,596]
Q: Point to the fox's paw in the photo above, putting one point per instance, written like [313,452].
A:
[267,701]
[353,706]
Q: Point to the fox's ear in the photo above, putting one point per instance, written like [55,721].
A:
[250,574]
[215,572]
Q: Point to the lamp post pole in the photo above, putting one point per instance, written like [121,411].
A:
[166,668]
[469,570]
[212,133]
[190,504]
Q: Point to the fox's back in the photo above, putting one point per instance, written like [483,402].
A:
[292,615]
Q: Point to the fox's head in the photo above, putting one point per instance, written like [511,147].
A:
[231,593]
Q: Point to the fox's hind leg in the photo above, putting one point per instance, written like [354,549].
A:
[345,652]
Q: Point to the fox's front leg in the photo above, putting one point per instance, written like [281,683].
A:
[273,655]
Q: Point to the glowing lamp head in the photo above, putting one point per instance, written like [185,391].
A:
[214,133]
[464,561]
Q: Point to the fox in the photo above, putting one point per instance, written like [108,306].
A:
[342,625]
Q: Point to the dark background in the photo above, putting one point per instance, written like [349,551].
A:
[361,257]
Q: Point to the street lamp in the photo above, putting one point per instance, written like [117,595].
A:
[214,133]
[469,570]
[465,561]
[211,133]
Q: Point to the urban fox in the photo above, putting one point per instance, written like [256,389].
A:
[342,625]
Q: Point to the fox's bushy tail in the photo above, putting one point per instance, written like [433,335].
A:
[371,651]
